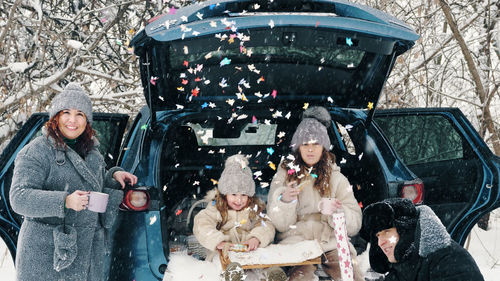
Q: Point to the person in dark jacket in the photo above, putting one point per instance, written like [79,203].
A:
[59,238]
[410,243]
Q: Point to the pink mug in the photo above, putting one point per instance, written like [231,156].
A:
[98,201]
[325,206]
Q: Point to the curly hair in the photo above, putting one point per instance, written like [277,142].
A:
[85,141]
[322,169]
[223,207]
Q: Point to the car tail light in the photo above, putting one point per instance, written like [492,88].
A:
[414,192]
[136,199]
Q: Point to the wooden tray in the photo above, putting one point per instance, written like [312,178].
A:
[224,260]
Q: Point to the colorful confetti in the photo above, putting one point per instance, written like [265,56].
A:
[370,105]
[153,80]
[274,93]
[223,83]
[272,165]
[152,220]
[225,61]
[195,91]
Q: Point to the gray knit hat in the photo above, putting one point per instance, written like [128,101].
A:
[236,177]
[313,128]
[72,97]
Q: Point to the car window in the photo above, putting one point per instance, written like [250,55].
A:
[422,138]
[329,56]
[249,134]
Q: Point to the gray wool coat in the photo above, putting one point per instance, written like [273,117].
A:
[43,176]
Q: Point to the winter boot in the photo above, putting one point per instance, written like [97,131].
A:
[234,272]
[275,273]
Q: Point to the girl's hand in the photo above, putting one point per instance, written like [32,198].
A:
[122,177]
[291,192]
[331,206]
[77,200]
[253,243]
[221,245]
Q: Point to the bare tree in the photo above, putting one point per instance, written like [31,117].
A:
[454,63]
[45,44]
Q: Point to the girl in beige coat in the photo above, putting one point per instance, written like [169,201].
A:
[299,185]
[235,218]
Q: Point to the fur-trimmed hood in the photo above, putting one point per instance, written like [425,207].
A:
[432,233]
[210,196]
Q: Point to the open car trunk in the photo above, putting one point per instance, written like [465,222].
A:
[196,146]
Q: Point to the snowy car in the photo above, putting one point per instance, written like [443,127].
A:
[227,77]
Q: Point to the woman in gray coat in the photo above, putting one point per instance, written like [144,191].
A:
[60,239]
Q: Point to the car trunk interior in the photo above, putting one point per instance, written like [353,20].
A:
[196,146]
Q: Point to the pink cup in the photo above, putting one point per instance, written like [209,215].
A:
[325,206]
[98,201]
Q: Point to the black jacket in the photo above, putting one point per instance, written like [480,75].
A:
[436,257]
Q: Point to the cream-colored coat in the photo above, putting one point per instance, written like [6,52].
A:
[301,220]
[237,229]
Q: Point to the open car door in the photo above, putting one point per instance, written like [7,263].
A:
[109,128]
[459,171]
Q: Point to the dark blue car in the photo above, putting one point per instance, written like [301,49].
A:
[227,77]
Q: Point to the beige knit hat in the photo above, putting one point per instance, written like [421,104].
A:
[237,177]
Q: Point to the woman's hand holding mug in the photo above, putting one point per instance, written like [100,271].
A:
[77,200]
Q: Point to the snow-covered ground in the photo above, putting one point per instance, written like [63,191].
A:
[484,247]
[6,264]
